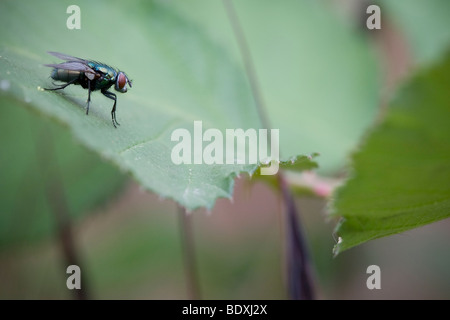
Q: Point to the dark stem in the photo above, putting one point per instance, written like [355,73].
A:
[57,201]
[188,247]
[300,283]
[298,263]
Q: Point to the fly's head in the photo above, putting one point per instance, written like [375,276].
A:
[121,82]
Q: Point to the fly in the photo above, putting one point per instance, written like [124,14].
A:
[91,75]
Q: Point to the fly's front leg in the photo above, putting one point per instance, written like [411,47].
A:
[112,96]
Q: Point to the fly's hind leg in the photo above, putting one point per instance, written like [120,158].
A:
[62,87]
[112,96]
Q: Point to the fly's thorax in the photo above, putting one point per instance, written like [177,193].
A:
[108,72]
[106,75]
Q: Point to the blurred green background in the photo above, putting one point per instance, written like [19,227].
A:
[129,240]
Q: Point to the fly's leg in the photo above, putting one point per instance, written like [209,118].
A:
[62,87]
[112,96]
[89,96]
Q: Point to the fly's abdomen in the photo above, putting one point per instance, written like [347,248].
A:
[65,75]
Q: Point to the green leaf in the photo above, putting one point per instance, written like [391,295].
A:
[300,163]
[402,172]
[302,180]
[181,75]
[425,25]
[30,145]
[296,164]
[178,75]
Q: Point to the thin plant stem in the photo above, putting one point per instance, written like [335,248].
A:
[57,201]
[299,277]
[248,62]
[188,247]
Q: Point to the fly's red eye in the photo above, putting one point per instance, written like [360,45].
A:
[122,80]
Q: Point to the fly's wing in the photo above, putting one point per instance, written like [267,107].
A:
[66,57]
[75,66]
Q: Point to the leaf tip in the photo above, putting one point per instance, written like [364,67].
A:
[337,247]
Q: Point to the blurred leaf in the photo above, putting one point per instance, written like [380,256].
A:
[296,164]
[318,76]
[24,212]
[425,25]
[402,173]
[300,163]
